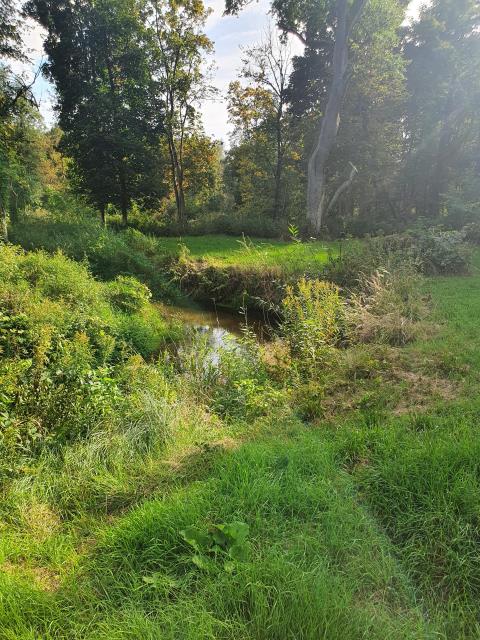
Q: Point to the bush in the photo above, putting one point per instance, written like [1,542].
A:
[471,233]
[59,278]
[462,201]
[61,343]
[428,251]
[355,258]
[440,252]
[146,332]
[127,294]
[235,225]
[109,254]
[313,323]
[202,223]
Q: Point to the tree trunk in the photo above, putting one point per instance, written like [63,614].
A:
[123,195]
[342,188]
[278,167]
[3,223]
[4,197]
[182,212]
[177,180]
[317,163]
[277,208]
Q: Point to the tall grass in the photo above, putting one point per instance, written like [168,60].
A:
[364,525]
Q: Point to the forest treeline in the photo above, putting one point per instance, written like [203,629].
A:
[374,128]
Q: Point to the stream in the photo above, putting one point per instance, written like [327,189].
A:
[220,324]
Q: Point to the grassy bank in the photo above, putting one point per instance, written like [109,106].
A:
[225,251]
[223,268]
[160,494]
[231,271]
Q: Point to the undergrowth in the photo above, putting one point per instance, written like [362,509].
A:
[325,485]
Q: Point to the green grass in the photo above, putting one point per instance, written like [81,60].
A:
[456,303]
[358,528]
[228,251]
[318,565]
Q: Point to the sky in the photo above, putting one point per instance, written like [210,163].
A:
[229,34]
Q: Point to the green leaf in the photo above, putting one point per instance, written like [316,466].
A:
[238,552]
[229,566]
[237,531]
[203,563]
[196,538]
[161,581]
[218,535]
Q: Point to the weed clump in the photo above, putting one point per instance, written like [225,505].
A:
[387,309]
[313,322]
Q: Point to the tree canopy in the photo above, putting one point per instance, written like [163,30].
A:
[373,126]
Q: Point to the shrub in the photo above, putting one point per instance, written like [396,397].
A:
[428,251]
[354,258]
[236,225]
[313,322]
[56,396]
[61,344]
[146,331]
[440,252]
[109,254]
[462,201]
[471,233]
[15,335]
[127,294]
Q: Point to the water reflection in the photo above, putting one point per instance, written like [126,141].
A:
[221,324]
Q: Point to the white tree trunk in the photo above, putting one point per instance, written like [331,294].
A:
[317,164]
[4,213]
[3,224]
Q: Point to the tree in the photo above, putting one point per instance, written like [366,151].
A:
[250,163]
[53,164]
[20,156]
[178,55]
[317,163]
[17,157]
[111,118]
[347,43]
[202,172]
[371,131]
[10,31]
[442,143]
[268,67]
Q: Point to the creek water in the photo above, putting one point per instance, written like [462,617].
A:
[220,324]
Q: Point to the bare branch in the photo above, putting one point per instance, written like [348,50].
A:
[342,188]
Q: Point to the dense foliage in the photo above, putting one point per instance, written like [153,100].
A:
[313,471]
[143,472]
[131,77]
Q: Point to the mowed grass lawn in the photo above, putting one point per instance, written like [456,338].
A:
[257,253]
[456,306]
[358,530]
